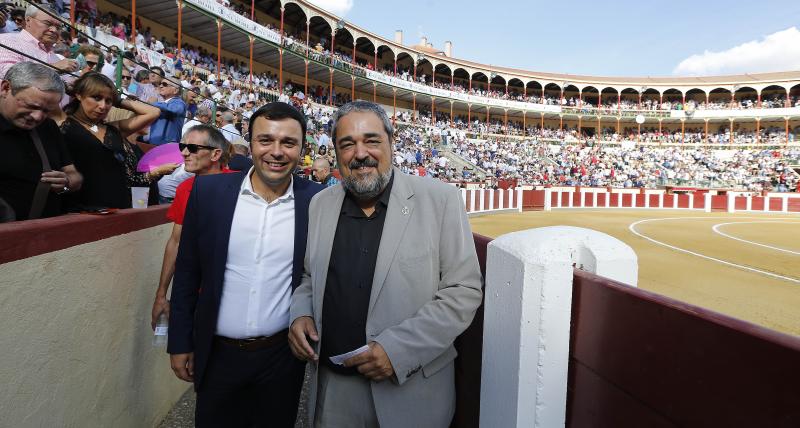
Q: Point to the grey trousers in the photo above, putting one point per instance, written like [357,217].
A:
[344,401]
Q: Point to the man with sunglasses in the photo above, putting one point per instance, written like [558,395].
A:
[167,128]
[240,256]
[36,40]
[205,152]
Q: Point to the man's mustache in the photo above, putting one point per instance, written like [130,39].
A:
[367,162]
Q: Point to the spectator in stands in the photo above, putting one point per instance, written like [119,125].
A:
[205,152]
[18,17]
[321,170]
[92,56]
[36,168]
[7,24]
[100,150]
[167,129]
[145,90]
[240,160]
[228,128]
[36,40]
[156,77]
[243,232]
[202,117]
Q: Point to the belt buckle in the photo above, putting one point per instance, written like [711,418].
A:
[244,343]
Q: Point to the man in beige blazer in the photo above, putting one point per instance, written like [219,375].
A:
[390,264]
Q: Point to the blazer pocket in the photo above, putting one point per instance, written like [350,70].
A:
[440,362]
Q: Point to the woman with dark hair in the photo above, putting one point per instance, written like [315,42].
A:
[99,149]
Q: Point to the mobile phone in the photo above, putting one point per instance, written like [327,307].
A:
[81,61]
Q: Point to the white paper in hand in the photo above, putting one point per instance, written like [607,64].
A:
[339,359]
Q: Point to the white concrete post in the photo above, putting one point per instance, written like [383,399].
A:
[483,194]
[731,202]
[501,199]
[472,201]
[464,199]
[707,202]
[594,199]
[548,195]
[519,198]
[675,197]
[527,310]
[785,206]
[491,200]
[691,200]
[661,200]
[749,204]
[559,194]
[766,203]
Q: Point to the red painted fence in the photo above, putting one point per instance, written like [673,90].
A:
[638,359]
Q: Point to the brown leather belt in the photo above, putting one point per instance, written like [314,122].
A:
[255,343]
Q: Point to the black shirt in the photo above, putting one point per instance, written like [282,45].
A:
[350,271]
[21,166]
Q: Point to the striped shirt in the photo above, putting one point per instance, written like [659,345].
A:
[23,42]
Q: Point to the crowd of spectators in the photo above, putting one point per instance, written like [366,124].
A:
[536,163]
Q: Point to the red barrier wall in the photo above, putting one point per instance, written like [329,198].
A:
[638,359]
[719,203]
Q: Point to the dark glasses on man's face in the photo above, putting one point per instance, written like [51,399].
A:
[126,77]
[164,84]
[193,148]
[91,64]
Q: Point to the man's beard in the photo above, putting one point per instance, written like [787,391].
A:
[370,186]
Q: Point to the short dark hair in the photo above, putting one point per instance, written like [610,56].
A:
[279,110]
[158,70]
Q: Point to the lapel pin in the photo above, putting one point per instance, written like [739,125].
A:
[405,210]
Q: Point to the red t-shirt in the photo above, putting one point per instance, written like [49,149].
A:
[177,210]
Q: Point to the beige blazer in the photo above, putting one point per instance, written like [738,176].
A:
[426,289]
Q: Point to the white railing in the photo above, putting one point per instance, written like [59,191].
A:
[490,201]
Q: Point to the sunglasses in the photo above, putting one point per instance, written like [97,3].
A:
[193,148]
[126,77]
[92,64]
[164,84]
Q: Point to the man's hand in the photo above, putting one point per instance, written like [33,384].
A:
[66,65]
[161,304]
[183,366]
[56,179]
[374,364]
[301,328]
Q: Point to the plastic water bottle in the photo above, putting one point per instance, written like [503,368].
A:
[160,335]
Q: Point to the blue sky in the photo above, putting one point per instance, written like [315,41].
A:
[615,38]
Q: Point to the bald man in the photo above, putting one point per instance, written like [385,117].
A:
[228,128]
[321,169]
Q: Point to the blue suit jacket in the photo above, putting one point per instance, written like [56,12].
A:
[203,253]
[167,128]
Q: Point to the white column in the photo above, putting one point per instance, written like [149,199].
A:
[594,199]
[608,199]
[646,200]
[527,319]
[661,200]
[548,196]
[691,200]
[519,198]
[785,206]
[707,202]
[731,202]
[464,199]
[749,205]
[620,195]
[558,199]
[766,203]
[491,200]
[675,200]
[570,197]
[502,193]
[483,195]
[472,201]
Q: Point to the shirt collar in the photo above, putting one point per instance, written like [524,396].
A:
[26,35]
[247,188]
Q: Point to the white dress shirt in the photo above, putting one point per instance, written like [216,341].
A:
[257,288]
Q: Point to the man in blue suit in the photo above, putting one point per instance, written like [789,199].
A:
[167,128]
[240,257]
